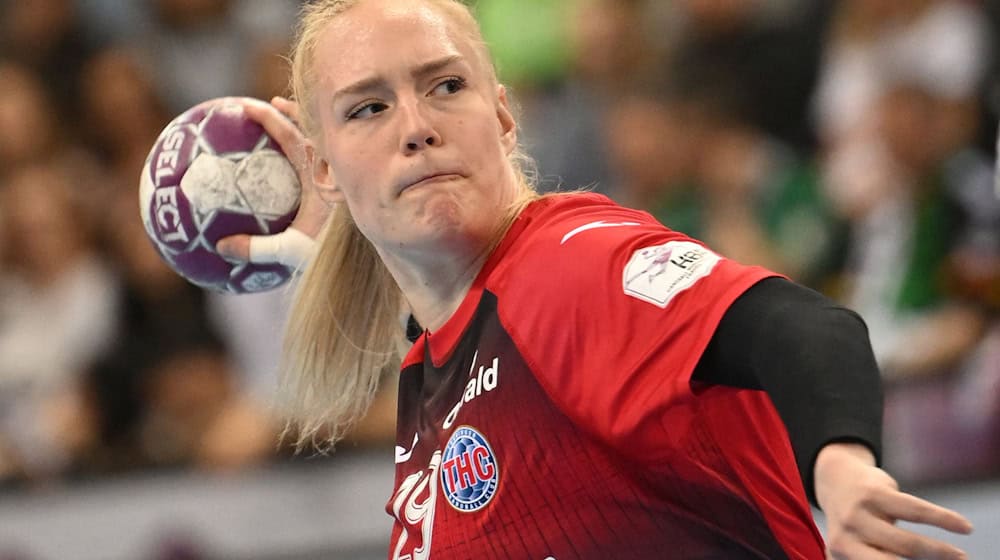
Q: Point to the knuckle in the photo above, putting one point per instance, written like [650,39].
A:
[868,501]
[838,547]
[890,482]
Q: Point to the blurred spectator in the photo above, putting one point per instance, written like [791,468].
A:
[251,325]
[902,244]
[687,152]
[653,141]
[770,48]
[922,252]
[946,428]
[764,205]
[112,22]
[566,116]
[46,36]
[942,44]
[205,48]
[57,308]
[122,113]
[196,416]
[27,118]
[199,50]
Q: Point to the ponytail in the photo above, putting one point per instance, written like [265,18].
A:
[344,331]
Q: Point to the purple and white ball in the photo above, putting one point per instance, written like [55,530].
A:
[214,172]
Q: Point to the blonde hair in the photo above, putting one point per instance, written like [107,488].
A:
[347,323]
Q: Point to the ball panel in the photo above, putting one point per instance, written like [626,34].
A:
[258,178]
[227,130]
[171,211]
[210,185]
[196,114]
[204,268]
[258,278]
[220,224]
[172,154]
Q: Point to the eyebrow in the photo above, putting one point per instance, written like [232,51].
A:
[420,71]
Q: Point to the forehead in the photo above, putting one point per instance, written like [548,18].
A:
[378,37]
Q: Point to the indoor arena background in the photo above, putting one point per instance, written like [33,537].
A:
[848,144]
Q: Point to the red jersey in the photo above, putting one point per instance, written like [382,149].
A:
[553,417]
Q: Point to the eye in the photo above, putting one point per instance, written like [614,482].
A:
[449,86]
[366,110]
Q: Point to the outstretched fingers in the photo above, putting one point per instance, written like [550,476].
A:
[911,508]
[884,536]
[874,526]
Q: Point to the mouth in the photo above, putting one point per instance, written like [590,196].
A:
[430,179]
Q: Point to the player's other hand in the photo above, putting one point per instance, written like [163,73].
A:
[294,246]
[862,504]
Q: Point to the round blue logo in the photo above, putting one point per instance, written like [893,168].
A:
[469,470]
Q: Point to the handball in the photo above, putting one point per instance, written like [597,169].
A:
[214,172]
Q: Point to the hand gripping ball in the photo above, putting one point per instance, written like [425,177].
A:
[214,172]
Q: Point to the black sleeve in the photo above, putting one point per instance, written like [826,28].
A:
[811,356]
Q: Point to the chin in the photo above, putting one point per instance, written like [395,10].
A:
[442,212]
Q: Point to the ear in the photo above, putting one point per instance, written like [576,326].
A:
[508,127]
[322,176]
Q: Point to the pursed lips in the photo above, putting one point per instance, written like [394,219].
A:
[430,177]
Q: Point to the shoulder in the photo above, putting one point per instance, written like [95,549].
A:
[578,230]
[586,262]
[563,217]
[576,245]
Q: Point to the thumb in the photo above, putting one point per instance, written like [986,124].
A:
[234,247]
[291,248]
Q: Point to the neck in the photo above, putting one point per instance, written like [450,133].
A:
[435,286]
[435,278]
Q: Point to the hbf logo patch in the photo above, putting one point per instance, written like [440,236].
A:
[469,470]
[656,274]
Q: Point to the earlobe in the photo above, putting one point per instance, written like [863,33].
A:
[508,126]
[322,176]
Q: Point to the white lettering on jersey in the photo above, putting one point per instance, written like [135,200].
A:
[656,274]
[485,381]
[595,225]
[403,455]
[414,506]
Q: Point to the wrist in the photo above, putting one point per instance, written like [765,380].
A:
[835,461]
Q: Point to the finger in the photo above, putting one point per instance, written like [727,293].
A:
[288,107]
[234,247]
[279,127]
[291,248]
[899,505]
[885,536]
[852,549]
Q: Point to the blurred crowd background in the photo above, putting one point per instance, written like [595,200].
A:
[849,144]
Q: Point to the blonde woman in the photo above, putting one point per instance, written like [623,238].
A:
[589,384]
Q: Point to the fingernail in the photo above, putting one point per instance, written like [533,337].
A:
[225,248]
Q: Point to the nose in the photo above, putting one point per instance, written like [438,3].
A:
[418,133]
